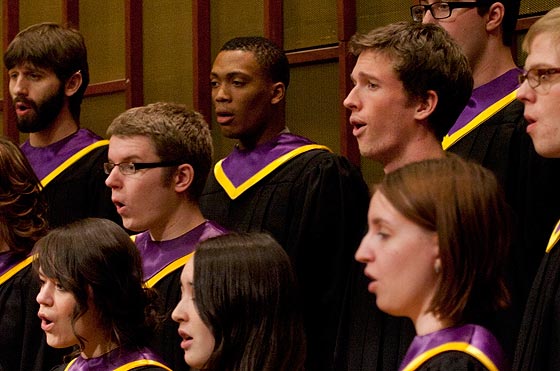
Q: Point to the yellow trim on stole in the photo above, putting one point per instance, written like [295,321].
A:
[75,157]
[453,346]
[554,237]
[176,264]
[16,268]
[130,365]
[234,192]
[141,362]
[450,140]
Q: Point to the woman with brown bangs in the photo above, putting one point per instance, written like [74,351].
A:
[92,298]
[438,236]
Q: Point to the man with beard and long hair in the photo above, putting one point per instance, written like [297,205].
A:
[48,75]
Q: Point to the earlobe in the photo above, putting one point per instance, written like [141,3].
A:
[278,92]
[73,84]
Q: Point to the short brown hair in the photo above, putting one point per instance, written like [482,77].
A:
[464,203]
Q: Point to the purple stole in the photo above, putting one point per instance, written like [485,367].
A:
[485,101]
[10,264]
[159,258]
[554,237]
[471,339]
[49,161]
[120,358]
[240,170]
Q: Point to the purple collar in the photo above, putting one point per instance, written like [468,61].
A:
[45,159]
[115,358]
[474,335]
[241,165]
[8,260]
[156,255]
[486,95]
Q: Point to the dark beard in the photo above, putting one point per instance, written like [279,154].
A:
[43,115]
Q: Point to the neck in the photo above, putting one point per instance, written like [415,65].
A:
[427,323]
[424,148]
[63,126]
[97,350]
[493,65]
[181,221]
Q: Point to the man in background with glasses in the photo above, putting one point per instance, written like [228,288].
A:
[48,76]
[491,131]
[159,158]
[538,342]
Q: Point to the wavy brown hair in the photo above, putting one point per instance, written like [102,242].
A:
[22,208]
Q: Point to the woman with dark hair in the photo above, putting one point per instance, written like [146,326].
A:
[240,307]
[92,297]
[437,239]
[22,223]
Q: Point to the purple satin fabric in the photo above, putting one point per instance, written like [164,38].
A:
[115,358]
[486,95]
[475,335]
[241,165]
[45,159]
[156,255]
[8,260]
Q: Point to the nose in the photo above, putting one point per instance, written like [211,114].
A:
[112,180]
[350,101]
[364,254]
[179,314]
[428,17]
[220,93]
[18,86]
[525,93]
[44,297]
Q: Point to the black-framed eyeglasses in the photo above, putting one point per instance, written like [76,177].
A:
[129,168]
[538,77]
[439,10]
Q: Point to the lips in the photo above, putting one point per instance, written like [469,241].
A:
[187,340]
[46,323]
[22,106]
[224,117]
[357,126]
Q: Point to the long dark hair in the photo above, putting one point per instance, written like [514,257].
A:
[246,293]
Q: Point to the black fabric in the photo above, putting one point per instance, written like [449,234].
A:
[369,339]
[167,340]
[80,191]
[315,206]
[530,182]
[23,345]
[452,361]
[539,338]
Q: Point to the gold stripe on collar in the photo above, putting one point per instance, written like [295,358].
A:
[141,362]
[15,269]
[174,265]
[450,140]
[453,346]
[554,237]
[234,192]
[75,157]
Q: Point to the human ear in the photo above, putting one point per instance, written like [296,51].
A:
[183,177]
[73,84]
[495,17]
[426,105]
[278,92]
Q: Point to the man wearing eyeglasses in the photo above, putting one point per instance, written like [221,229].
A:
[538,343]
[491,131]
[48,76]
[159,158]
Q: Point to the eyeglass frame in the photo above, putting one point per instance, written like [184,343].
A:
[540,72]
[451,4]
[109,166]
